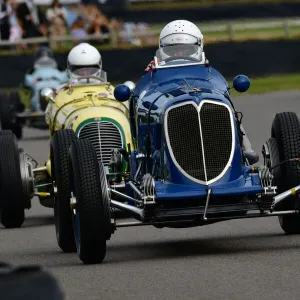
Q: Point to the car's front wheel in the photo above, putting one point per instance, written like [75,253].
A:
[60,145]
[286,131]
[90,202]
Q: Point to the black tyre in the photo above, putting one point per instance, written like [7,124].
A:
[12,196]
[3,97]
[286,131]
[60,145]
[14,98]
[15,101]
[29,282]
[91,215]
[5,132]
[9,106]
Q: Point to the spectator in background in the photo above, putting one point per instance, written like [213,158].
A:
[142,30]
[129,28]
[16,31]
[89,12]
[57,18]
[4,20]
[99,25]
[78,31]
[32,20]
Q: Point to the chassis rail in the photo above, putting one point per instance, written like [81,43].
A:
[150,214]
[248,216]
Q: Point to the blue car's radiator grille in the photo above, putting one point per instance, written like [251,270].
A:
[185,139]
[105,136]
[200,142]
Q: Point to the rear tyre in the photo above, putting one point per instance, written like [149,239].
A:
[9,106]
[3,97]
[60,145]
[12,197]
[91,213]
[6,132]
[14,98]
[290,224]
[286,131]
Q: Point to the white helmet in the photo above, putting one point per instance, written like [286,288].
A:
[181,38]
[84,59]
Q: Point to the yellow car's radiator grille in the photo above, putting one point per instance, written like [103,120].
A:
[105,136]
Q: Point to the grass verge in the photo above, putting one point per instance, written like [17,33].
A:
[281,82]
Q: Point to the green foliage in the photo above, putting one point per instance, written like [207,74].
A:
[279,82]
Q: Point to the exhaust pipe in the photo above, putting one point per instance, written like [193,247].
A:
[279,198]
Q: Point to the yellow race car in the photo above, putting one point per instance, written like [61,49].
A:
[86,109]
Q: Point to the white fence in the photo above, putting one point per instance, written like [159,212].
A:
[230,28]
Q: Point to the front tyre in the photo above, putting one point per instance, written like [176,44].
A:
[91,208]
[59,152]
[286,131]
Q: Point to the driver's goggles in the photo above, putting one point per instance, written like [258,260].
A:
[180,50]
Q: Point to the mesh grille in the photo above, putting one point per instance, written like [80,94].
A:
[105,136]
[185,139]
[217,138]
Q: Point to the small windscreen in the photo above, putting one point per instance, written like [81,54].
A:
[84,71]
[183,52]
[80,71]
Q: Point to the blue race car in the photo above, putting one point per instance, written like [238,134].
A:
[44,73]
[188,167]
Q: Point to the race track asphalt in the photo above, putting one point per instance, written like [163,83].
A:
[241,259]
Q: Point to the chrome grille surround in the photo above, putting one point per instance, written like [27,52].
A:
[105,136]
[41,101]
[213,130]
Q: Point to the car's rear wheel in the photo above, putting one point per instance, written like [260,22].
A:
[286,131]
[14,97]
[5,132]
[3,95]
[91,207]
[9,106]
[12,197]
[60,145]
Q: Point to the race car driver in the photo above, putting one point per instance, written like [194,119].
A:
[44,73]
[83,60]
[182,38]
